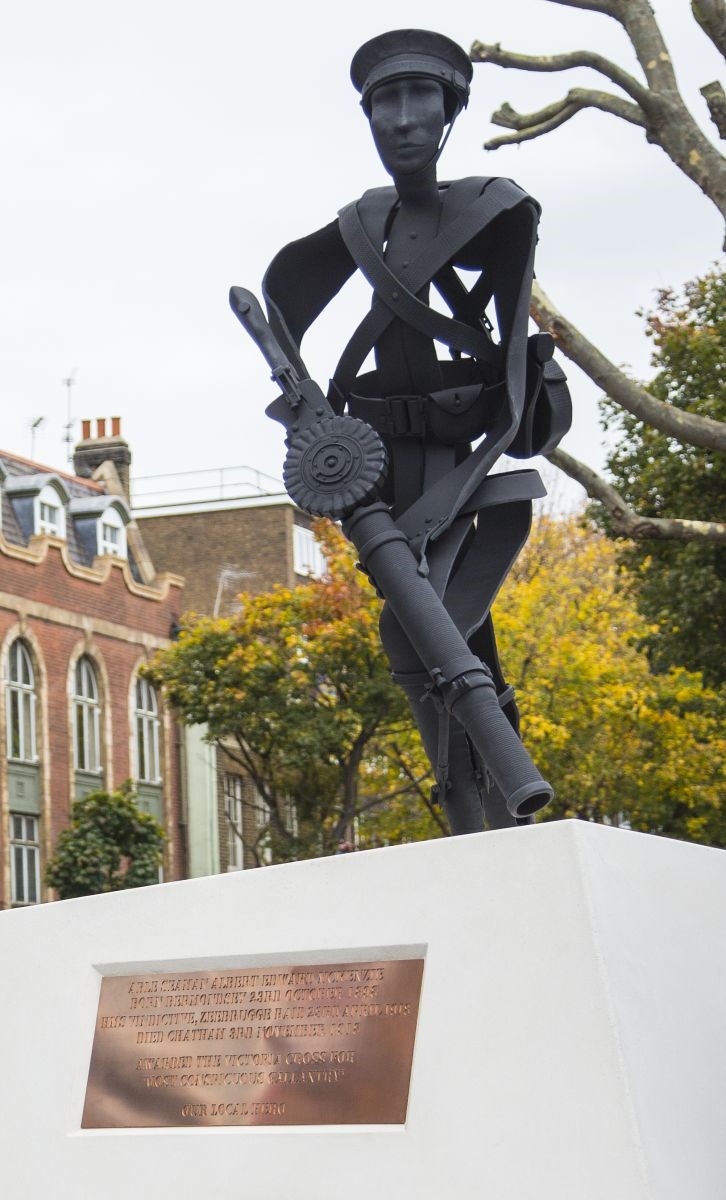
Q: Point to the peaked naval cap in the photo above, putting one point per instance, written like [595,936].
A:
[412,52]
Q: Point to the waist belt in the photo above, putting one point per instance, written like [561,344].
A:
[449,416]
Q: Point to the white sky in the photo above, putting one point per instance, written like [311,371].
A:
[156,152]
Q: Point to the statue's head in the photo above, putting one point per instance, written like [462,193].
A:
[413,83]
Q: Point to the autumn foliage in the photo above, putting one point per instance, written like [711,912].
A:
[620,742]
[296,687]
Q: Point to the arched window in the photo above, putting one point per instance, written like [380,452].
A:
[86,717]
[147,733]
[20,701]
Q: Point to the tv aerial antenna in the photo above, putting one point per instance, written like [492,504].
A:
[34,426]
[69,383]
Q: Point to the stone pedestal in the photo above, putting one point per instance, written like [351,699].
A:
[571,1040]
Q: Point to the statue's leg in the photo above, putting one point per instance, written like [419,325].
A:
[469,795]
[483,642]
[458,776]
[459,787]
[462,683]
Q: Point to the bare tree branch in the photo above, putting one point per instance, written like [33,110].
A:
[711,16]
[527,135]
[532,125]
[715,98]
[638,21]
[686,427]
[599,6]
[480,52]
[625,520]
[577,97]
[667,121]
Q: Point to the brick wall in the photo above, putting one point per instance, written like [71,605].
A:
[60,616]
[108,598]
[200,546]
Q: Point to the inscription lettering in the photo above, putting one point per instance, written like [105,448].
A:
[325,1044]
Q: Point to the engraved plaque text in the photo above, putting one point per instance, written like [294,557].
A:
[302,1045]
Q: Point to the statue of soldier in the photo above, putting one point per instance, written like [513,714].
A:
[436,532]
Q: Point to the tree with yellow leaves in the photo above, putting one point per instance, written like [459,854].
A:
[297,689]
[620,742]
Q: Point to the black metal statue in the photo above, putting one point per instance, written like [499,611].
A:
[389,452]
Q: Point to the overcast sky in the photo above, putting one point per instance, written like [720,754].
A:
[155,152]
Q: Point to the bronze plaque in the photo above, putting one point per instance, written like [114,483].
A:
[328,1044]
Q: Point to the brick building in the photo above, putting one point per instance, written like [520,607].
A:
[226,533]
[81,608]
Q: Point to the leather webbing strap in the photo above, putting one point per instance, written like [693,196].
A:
[464,302]
[394,300]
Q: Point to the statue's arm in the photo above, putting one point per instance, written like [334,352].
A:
[503,253]
[302,279]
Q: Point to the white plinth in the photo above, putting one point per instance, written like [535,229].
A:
[571,1040]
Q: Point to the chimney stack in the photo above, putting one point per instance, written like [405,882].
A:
[92,451]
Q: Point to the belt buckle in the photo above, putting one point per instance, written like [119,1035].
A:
[408,416]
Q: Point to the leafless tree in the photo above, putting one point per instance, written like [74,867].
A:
[654,103]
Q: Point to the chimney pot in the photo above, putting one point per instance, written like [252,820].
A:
[106,446]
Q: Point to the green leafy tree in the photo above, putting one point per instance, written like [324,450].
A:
[681,586]
[110,845]
[296,689]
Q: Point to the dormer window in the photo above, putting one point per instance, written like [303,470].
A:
[39,504]
[49,519]
[100,523]
[110,539]
[112,533]
[50,516]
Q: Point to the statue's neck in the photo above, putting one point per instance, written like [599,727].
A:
[419,191]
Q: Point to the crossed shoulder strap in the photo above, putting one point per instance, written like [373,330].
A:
[470,205]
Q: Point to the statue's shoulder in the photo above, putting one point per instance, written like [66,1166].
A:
[325,241]
[487,212]
[461,192]
[373,207]
[303,277]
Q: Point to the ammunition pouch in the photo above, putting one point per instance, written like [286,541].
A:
[547,413]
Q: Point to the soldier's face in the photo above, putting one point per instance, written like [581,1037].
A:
[407,122]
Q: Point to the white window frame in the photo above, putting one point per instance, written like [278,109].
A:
[234,813]
[307,556]
[146,732]
[262,821]
[86,718]
[50,499]
[20,692]
[291,817]
[24,860]
[111,523]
